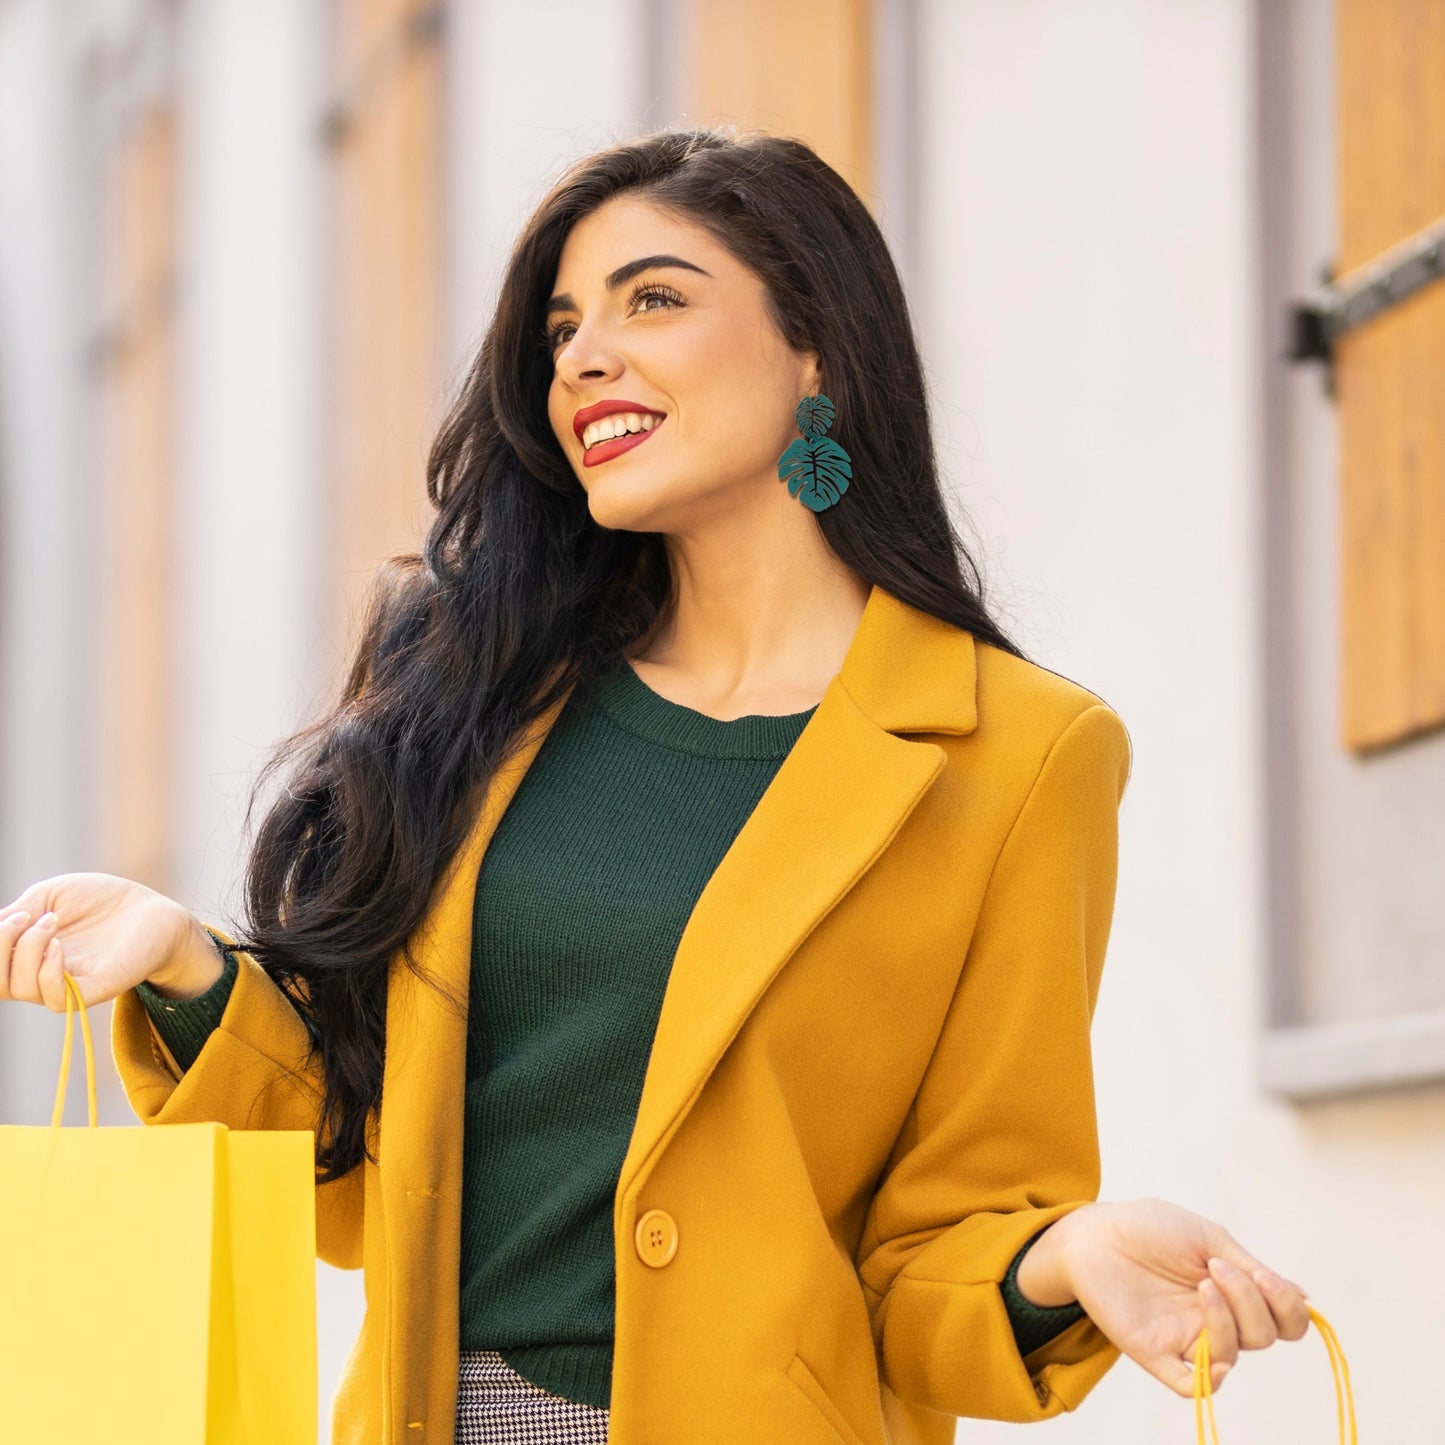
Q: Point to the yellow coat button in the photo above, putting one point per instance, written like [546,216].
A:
[656,1238]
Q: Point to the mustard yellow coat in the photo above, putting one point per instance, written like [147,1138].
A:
[871,1081]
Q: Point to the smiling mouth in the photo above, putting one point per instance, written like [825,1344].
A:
[615,446]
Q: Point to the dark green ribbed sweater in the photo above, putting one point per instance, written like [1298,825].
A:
[581,899]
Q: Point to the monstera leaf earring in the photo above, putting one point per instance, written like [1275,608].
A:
[815,467]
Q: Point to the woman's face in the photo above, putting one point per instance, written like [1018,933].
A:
[695,345]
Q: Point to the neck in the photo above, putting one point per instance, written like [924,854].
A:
[743,631]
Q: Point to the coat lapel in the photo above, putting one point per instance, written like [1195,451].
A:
[840,795]
[419,1141]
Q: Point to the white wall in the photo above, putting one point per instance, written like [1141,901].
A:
[252,430]
[45,548]
[532,87]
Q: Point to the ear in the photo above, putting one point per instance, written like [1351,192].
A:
[812,375]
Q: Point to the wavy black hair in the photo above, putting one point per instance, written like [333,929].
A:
[518,595]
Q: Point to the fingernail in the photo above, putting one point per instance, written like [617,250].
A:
[1222,1267]
[46,920]
[18,919]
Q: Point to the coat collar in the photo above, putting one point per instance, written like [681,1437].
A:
[843,791]
[908,672]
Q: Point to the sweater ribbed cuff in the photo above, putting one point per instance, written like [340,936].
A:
[186,1023]
[1034,1325]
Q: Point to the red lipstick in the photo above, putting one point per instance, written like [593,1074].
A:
[605,451]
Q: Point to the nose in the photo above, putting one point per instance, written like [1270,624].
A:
[597,368]
[584,357]
[587,355]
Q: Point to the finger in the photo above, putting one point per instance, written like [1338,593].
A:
[1178,1373]
[33,902]
[51,978]
[11,928]
[1288,1303]
[30,902]
[1223,1341]
[25,958]
[1254,1320]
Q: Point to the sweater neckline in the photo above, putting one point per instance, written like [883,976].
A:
[632,704]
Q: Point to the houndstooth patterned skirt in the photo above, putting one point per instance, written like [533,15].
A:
[497,1406]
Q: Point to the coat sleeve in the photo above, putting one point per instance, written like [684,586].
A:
[1002,1137]
[252,1073]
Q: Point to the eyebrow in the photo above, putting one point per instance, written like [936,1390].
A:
[623,274]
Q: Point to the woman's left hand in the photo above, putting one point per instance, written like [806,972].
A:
[1151,1275]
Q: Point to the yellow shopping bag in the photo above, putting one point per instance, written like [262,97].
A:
[157,1284]
[1344,1396]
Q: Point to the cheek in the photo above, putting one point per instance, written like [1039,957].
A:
[758,426]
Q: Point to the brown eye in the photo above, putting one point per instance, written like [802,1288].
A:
[551,336]
[665,292]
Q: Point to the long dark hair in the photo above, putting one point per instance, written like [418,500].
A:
[518,595]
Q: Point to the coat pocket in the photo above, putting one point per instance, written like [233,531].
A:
[799,1373]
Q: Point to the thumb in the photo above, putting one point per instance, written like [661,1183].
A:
[50,978]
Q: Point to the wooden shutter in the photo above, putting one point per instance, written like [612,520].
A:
[387,336]
[1390,374]
[135,378]
[802,68]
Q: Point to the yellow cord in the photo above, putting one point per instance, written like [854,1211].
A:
[1344,1396]
[1203,1394]
[72,999]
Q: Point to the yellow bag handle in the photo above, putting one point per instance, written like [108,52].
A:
[1344,1398]
[72,998]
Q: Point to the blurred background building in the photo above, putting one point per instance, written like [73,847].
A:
[247,247]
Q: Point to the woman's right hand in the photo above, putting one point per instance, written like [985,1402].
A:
[108,933]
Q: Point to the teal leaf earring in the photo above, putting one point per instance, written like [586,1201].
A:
[816,469]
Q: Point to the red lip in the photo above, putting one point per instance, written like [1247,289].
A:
[605,451]
[598,410]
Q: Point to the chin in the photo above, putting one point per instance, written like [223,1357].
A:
[616,506]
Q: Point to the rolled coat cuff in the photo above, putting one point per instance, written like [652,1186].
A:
[948,1337]
[252,1072]
[185,1024]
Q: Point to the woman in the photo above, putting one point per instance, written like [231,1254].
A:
[745,1093]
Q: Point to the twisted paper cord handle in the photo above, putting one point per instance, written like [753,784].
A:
[72,998]
[1344,1397]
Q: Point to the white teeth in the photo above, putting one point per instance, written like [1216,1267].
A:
[616,425]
